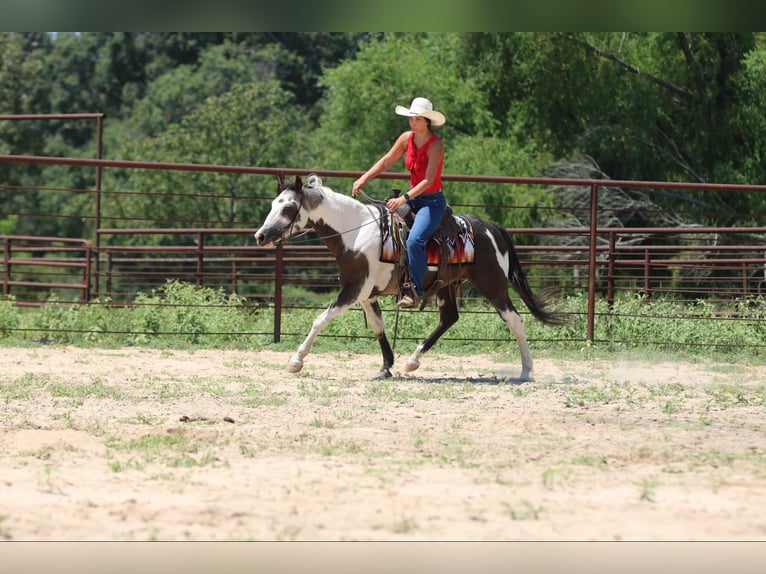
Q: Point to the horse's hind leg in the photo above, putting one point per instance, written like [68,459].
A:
[375,317]
[448,316]
[516,325]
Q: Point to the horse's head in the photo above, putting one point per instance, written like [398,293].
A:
[285,217]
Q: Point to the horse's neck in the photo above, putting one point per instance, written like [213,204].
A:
[342,222]
[341,212]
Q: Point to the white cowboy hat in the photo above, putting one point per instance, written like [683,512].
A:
[422,107]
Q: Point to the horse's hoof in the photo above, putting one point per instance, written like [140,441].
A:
[294,366]
[383,373]
[526,378]
[411,365]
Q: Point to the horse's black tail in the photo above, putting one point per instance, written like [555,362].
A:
[537,303]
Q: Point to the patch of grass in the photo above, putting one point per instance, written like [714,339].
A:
[550,476]
[173,390]
[66,416]
[671,406]
[404,525]
[22,388]
[527,511]
[592,395]
[322,423]
[592,460]
[321,392]
[443,391]
[173,449]
[456,449]
[260,395]
[142,419]
[387,392]
[79,391]
[327,445]
[731,395]
[647,489]
[5,533]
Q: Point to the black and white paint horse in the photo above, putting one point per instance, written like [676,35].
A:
[350,230]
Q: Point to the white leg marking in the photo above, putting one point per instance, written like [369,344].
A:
[516,325]
[414,361]
[296,362]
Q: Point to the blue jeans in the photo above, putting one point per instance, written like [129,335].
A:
[429,209]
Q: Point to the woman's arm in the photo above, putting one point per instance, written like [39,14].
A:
[397,151]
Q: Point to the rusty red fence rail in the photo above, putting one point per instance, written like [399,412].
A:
[45,265]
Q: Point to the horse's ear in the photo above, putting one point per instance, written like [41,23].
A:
[280,183]
[298,182]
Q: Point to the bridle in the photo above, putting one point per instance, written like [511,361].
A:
[376,202]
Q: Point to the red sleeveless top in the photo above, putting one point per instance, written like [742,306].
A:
[417,162]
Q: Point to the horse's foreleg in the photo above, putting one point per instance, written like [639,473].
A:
[375,317]
[516,325]
[296,362]
[448,316]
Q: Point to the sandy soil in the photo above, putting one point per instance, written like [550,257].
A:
[135,444]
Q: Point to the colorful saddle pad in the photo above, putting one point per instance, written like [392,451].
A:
[460,244]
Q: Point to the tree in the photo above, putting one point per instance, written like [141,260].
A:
[358,123]
[252,124]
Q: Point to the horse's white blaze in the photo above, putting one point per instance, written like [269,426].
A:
[277,216]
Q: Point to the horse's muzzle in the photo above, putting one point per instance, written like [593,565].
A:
[260,238]
[267,237]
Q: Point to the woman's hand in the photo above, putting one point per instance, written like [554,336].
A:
[395,203]
[357,186]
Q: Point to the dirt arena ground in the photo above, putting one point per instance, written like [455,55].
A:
[136,444]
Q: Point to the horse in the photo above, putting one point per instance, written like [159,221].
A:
[351,230]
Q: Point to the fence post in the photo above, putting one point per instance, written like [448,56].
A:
[200,256]
[97,221]
[610,269]
[592,262]
[745,267]
[647,272]
[86,275]
[6,265]
[108,273]
[279,261]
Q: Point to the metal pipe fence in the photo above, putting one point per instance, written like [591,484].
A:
[719,264]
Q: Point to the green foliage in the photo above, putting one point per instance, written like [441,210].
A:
[183,89]
[358,123]
[186,314]
[675,325]
[9,319]
[7,224]
[478,155]
[673,106]
[179,315]
[244,126]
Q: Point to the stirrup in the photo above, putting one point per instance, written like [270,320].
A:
[408,300]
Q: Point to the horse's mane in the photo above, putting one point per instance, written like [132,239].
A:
[314,182]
